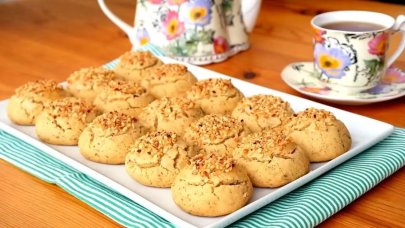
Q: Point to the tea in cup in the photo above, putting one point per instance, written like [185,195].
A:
[350,48]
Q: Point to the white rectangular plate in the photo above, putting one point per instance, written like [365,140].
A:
[365,133]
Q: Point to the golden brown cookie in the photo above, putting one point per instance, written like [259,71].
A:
[271,159]
[63,120]
[212,185]
[170,114]
[30,99]
[169,80]
[123,96]
[135,65]
[87,83]
[319,133]
[217,134]
[262,112]
[156,158]
[108,138]
[215,95]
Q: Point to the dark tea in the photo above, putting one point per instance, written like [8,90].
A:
[353,26]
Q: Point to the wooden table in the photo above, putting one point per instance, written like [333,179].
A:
[50,39]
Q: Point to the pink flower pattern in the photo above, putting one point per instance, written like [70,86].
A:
[176,2]
[172,26]
[378,45]
[393,75]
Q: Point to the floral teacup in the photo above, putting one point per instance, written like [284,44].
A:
[352,62]
[195,31]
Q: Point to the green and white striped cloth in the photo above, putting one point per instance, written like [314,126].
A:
[304,207]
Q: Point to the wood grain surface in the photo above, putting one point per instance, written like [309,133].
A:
[50,39]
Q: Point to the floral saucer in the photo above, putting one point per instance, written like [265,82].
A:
[301,77]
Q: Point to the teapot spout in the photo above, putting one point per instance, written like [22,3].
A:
[250,11]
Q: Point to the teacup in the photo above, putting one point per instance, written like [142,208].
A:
[354,61]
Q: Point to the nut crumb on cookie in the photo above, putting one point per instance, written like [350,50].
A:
[215,128]
[115,122]
[38,87]
[212,87]
[138,59]
[176,107]
[211,164]
[267,144]
[92,75]
[69,107]
[155,143]
[125,87]
[265,106]
[170,69]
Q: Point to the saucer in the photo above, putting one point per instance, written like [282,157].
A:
[300,77]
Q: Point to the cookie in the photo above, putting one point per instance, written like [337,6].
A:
[271,158]
[217,134]
[262,112]
[169,80]
[212,185]
[135,65]
[30,99]
[319,133]
[63,120]
[156,158]
[87,83]
[123,96]
[108,138]
[215,96]
[170,114]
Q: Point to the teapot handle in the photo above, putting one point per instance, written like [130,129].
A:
[250,11]
[116,20]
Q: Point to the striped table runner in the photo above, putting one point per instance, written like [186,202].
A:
[304,207]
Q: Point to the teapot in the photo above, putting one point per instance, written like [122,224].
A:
[195,31]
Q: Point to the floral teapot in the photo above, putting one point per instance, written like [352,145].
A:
[195,31]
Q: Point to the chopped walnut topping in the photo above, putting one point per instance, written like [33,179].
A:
[115,122]
[266,106]
[125,87]
[213,87]
[38,86]
[321,118]
[317,114]
[70,107]
[171,69]
[138,59]
[174,107]
[265,145]
[215,128]
[92,75]
[211,164]
[155,143]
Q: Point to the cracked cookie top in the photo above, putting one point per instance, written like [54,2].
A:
[264,145]
[320,117]
[265,106]
[125,87]
[70,107]
[211,164]
[214,129]
[92,76]
[174,107]
[38,87]
[137,59]
[168,70]
[114,123]
[150,148]
[213,87]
